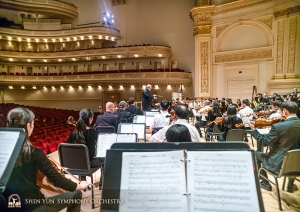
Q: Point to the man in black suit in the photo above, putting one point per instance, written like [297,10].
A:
[147,98]
[282,137]
[134,110]
[108,118]
[123,116]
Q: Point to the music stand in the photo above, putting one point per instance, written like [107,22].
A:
[138,128]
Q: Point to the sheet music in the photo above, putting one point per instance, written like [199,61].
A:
[151,113]
[126,138]
[221,180]
[264,131]
[104,143]
[153,182]
[141,119]
[8,142]
[149,120]
[139,129]
[126,128]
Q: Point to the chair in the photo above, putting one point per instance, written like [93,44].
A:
[216,132]
[105,129]
[289,168]
[75,159]
[235,135]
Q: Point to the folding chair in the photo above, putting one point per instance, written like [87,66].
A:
[216,132]
[75,159]
[235,135]
[290,168]
[105,129]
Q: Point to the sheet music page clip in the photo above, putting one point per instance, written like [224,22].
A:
[185,160]
[186,194]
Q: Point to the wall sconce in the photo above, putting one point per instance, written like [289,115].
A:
[45,88]
[33,87]
[110,87]
[156,87]
[61,87]
[53,87]
[132,86]
[169,86]
[121,87]
[99,86]
[22,87]
[10,87]
[79,87]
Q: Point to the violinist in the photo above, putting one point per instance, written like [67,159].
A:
[161,120]
[282,137]
[246,113]
[231,121]
[275,110]
[23,180]
[201,119]
[260,105]
[211,116]
[84,134]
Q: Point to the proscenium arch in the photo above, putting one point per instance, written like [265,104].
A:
[258,25]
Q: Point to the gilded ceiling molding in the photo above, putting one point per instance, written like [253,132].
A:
[280,39]
[201,15]
[133,75]
[258,25]
[204,29]
[237,5]
[154,75]
[219,29]
[243,55]
[287,11]
[267,21]
[177,75]
[204,66]
[292,45]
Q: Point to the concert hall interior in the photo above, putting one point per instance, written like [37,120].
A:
[60,56]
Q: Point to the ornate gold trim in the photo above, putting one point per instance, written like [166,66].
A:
[219,29]
[204,29]
[267,21]
[280,39]
[204,66]
[287,11]
[243,55]
[292,45]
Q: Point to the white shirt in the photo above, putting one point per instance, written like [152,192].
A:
[274,115]
[160,136]
[160,120]
[202,114]
[246,115]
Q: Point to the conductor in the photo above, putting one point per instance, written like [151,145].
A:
[147,98]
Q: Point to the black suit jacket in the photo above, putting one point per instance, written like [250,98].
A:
[134,110]
[282,137]
[107,119]
[147,100]
[122,114]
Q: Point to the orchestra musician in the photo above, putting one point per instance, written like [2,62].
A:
[23,180]
[200,117]
[282,137]
[85,134]
[231,121]
[161,120]
[275,110]
[211,116]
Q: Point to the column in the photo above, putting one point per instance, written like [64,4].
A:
[1,95]
[203,61]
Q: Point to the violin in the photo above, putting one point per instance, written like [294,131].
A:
[72,121]
[265,112]
[43,182]
[217,121]
[262,122]
[239,125]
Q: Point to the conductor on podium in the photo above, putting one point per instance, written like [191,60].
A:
[147,98]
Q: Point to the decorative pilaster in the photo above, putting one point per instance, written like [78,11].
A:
[279,52]
[292,47]
[202,33]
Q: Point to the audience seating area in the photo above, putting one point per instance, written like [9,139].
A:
[50,126]
[97,72]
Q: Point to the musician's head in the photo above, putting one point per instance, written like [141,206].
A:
[246,102]
[276,105]
[149,87]
[22,118]
[178,133]
[122,105]
[181,111]
[164,104]
[110,107]
[85,118]
[289,108]
[228,101]
[206,102]
[231,110]
[131,101]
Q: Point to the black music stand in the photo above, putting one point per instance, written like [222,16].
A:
[113,164]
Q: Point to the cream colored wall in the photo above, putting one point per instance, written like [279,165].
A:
[80,98]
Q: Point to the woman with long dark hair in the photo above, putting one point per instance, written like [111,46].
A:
[211,117]
[85,134]
[23,180]
[230,121]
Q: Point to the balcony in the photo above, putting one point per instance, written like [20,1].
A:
[59,9]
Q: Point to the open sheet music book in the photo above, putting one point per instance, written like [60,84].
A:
[177,181]
[138,128]
[105,140]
